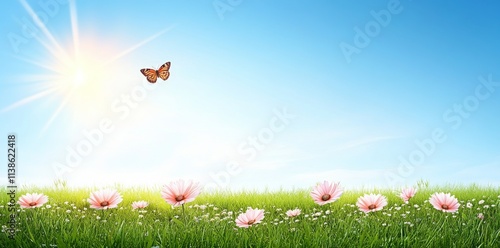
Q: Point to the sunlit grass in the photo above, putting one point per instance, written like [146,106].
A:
[68,221]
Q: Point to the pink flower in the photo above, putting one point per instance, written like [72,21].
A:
[407,194]
[444,202]
[250,217]
[104,199]
[32,200]
[371,202]
[178,193]
[293,213]
[139,204]
[326,193]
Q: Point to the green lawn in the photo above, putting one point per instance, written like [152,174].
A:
[67,221]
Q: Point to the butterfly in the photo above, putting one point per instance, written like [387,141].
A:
[152,74]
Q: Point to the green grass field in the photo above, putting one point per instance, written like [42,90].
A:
[67,221]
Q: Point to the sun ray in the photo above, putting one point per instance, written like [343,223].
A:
[28,99]
[61,55]
[37,79]
[142,43]
[49,48]
[39,64]
[74,27]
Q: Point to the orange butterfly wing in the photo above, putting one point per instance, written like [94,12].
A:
[150,74]
[163,72]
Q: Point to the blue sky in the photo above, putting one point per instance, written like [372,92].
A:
[261,94]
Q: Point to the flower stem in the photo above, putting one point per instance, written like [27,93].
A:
[183,214]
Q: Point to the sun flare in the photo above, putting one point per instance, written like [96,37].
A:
[83,76]
[83,82]
[76,76]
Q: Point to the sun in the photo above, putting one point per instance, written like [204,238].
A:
[84,75]
[77,75]
[81,80]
